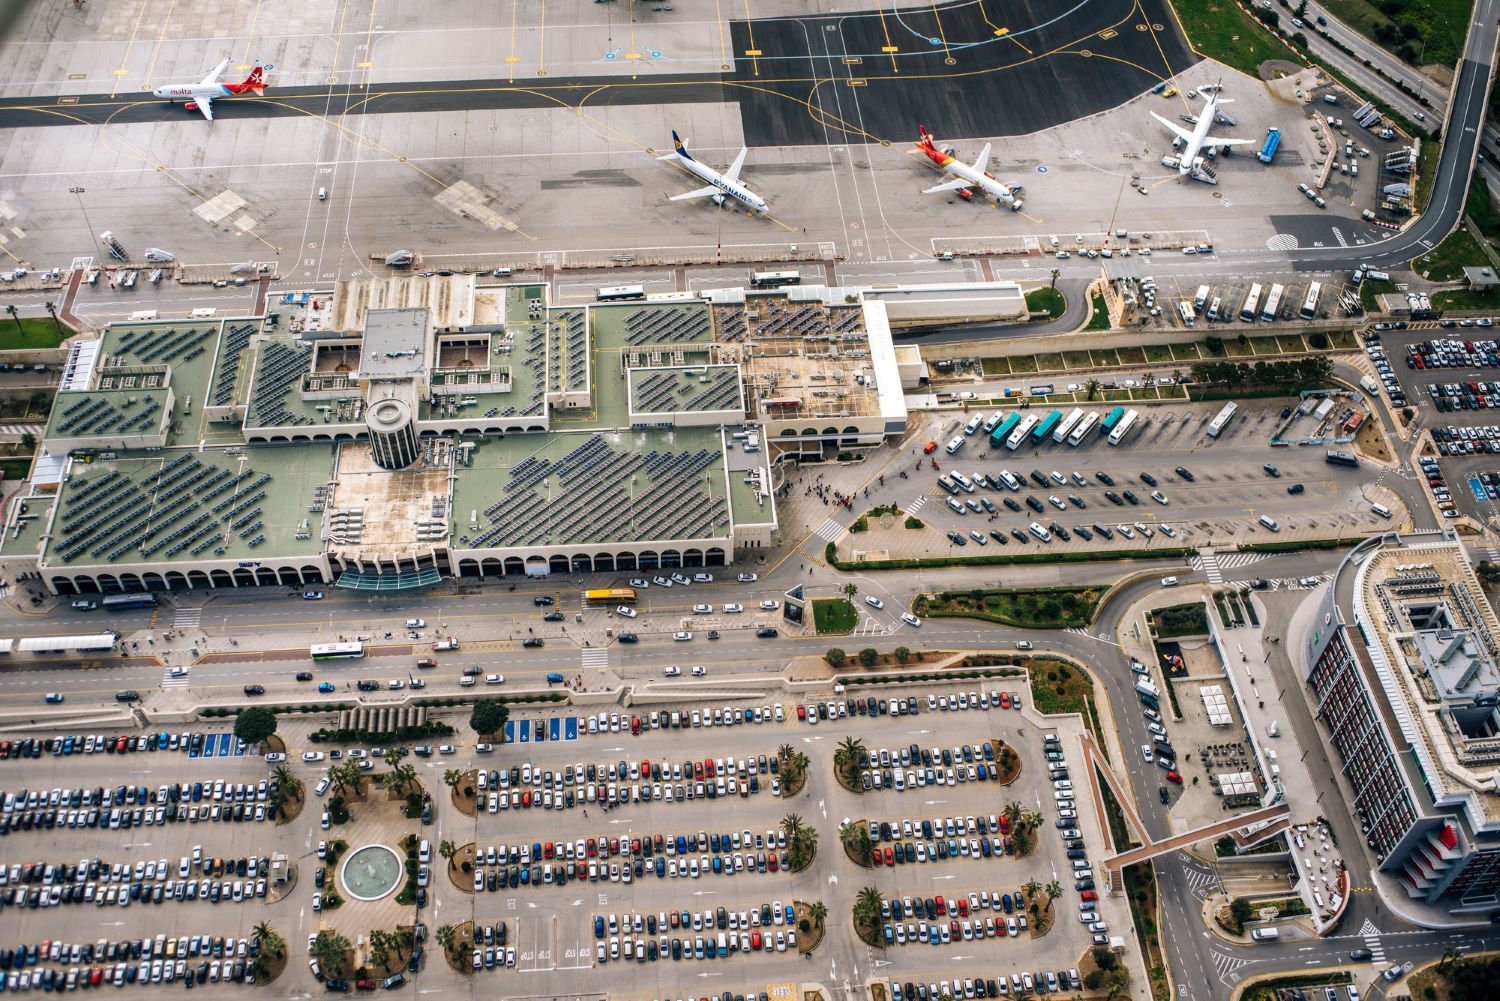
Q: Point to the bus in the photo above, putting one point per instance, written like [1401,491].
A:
[1041,431]
[774,279]
[610,596]
[1273,303]
[1066,425]
[1336,458]
[998,436]
[1107,425]
[1020,432]
[1247,311]
[336,651]
[1310,302]
[1082,430]
[1123,428]
[125,602]
[615,293]
[1222,419]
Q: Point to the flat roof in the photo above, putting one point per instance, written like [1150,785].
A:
[127,410]
[395,344]
[686,389]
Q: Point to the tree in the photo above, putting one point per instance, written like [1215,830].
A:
[1116,985]
[402,775]
[1012,811]
[286,782]
[835,657]
[1032,888]
[270,942]
[15,314]
[255,725]
[488,717]
[1054,890]
[452,777]
[846,758]
[850,590]
[330,949]
[868,656]
[447,849]
[379,946]
[903,654]
[51,308]
[1240,911]
[446,936]
[818,911]
[1056,273]
[867,906]
[1092,387]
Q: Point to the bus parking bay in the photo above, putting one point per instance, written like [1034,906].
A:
[1228,491]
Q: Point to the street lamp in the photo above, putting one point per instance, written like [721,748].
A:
[78,193]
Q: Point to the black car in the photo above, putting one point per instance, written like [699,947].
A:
[1060,532]
[629,638]
[999,536]
[128,695]
[301,676]
[1295,488]
[533,641]
[541,601]
[1271,470]
[1260,584]
[367,686]
[766,632]
[1132,498]
[1083,532]
[1076,501]
[255,690]
[553,617]
[1162,792]
[1360,954]
[1148,479]
[1113,498]
[1185,473]
[1083,884]
[1019,536]
[1010,502]
[1105,478]
[1034,504]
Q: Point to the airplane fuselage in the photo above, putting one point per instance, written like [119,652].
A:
[983,180]
[1194,146]
[730,189]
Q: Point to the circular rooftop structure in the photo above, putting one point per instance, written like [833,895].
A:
[371,872]
[393,435]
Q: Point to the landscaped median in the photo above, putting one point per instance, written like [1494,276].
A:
[1028,608]
[831,556]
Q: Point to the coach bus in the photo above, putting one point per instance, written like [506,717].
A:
[337,651]
[615,293]
[1021,430]
[1084,427]
[125,602]
[774,279]
[1123,428]
[1112,418]
[1041,431]
[1310,302]
[610,596]
[1337,458]
[1221,420]
[1247,311]
[1065,428]
[998,436]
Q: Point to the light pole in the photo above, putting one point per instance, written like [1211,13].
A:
[78,193]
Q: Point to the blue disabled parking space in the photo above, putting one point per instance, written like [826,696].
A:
[526,731]
[220,745]
[1477,487]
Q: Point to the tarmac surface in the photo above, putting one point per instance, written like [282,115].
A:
[956,69]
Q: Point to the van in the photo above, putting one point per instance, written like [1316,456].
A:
[1265,934]
[1269,523]
[955,444]
[322,194]
[973,424]
[467,681]
[1041,533]
[1381,510]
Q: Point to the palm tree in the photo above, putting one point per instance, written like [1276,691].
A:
[1092,387]
[793,825]
[402,775]
[447,849]
[1056,273]
[1012,811]
[1054,890]
[330,949]
[446,937]
[867,905]
[1116,985]
[818,911]
[1032,889]
[379,946]
[1021,995]
[15,314]
[270,942]
[51,308]
[286,781]
[336,776]
[846,758]
[452,777]
[850,590]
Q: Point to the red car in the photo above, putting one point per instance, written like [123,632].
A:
[963,907]
[802,712]
[1088,895]
[755,942]
[547,850]
[592,847]
[635,726]
[1174,777]
[1005,700]
[773,863]
[942,906]
[929,448]
[364,985]
[890,857]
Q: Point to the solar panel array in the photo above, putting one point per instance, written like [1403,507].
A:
[168,345]
[658,324]
[577,344]
[845,319]
[103,414]
[187,505]
[535,345]
[280,367]
[730,321]
[793,323]
[590,499]
[236,340]
[661,391]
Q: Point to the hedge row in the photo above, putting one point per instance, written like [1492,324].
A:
[831,555]
[1296,547]
[431,728]
[908,679]
[333,707]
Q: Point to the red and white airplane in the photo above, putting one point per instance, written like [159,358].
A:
[200,96]
[967,178]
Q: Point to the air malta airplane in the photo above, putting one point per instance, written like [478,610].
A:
[967,178]
[720,187]
[200,96]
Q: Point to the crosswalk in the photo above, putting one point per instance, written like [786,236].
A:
[187,618]
[1371,935]
[1209,564]
[1213,565]
[182,680]
[595,656]
[916,505]
[829,530]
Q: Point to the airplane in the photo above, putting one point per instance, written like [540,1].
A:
[1198,140]
[720,187]
[200,96]
[967,178]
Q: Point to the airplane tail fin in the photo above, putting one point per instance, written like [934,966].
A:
[926,139]
[254,83]
[680,145]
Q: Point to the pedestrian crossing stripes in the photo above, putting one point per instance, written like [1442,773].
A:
[1371,935]
[1209,564]
[829,530]
[187,618]
[1077,631]
[594,656]
[916,505]
[181,680]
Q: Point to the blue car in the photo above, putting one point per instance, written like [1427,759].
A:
[598,926]
[989,751]
[890,935]
[661,866]
[326,686]
[933,936]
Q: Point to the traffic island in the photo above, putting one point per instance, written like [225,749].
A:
[810,918]
[866,915]
[457,942]
[801,843]
[855,837]
[1007,762]
[465,798]
[793,767]
[461,868]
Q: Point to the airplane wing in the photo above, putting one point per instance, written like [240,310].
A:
[982,163]
[1177,130]
[953,185]
[700,193]
[733,173]
[1212,141]
[213,75]
[206,106]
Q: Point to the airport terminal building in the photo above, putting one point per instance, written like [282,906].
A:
[1404,668]
[413,428]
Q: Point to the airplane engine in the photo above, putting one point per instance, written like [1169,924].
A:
[191,106]
[966,194]
[718,200]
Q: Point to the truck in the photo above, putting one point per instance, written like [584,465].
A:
[446,643]
[1143,686]
[1268,151]
[1200,298]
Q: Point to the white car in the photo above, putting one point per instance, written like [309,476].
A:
[672,672]
[312,755]
[733,608]
[682,636]
[416,623]
[1146,752]
[660,581]
[703,609]
[626,611]
[769,605]
[703,578]
[317,902]
[748,578]
[1159,497]
[639,582]
[873,601]
[700,671]
[1023,644]
[910,619]
[494,679]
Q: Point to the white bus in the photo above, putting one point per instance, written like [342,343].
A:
[1247,311]
[1082,430]
[336,651]
[774,279]
[1221,421]
[1123,428]
[614,293]
[1021,433]
[1310,302]
[1273,303]
[1064,429]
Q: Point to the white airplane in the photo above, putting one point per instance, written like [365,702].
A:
[967,178]
[201,95]
[720,187]
[1198,140]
